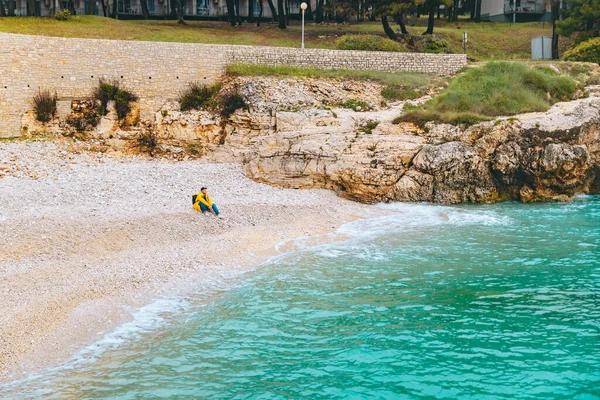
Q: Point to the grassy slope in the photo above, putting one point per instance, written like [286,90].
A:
[398,86]
[486,40]
[498,88]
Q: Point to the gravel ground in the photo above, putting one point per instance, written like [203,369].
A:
[87,239]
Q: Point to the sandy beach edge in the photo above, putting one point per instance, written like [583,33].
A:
[90,268]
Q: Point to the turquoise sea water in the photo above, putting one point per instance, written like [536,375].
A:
[469,302]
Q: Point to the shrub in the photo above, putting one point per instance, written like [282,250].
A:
[368,127]
[436,45]
[495,89]
[105,92]
[588,51]
[44,104]
[230,102]
[123,99]
[395,93]
[63,15]
[198,96]
[356,105]
[367,42]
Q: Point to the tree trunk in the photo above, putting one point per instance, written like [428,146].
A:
[273,10]
[11,8]
[319,11]
[309,13]
[387,28]
[430,20]
[2,9]
[455,6]
[287,12]
[71,7]
[477,10]
[439,11]
[281,14]
[104,11]
[172,6]
[230,12]
[251,10]
[555,10]
[30,8]
[399,19]
[145,11]
[238,13]
[180,20]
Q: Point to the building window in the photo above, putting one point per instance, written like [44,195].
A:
[124,6]
[202,7]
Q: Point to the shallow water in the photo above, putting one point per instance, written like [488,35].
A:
[498,301]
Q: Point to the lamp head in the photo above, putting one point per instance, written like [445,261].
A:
[303,6]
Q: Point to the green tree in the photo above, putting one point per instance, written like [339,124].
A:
[580,16]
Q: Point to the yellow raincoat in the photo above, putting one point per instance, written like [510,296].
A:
[204,199]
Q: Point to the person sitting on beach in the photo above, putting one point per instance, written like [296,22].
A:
[204,204]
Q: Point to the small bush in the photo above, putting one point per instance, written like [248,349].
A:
[123,99]
[396,93]
[356,105]
[437,45]
[198,96]
[588,51]
[44,104]
[230,102]
[63,15]
[105,92]
[368,127]
[367,42]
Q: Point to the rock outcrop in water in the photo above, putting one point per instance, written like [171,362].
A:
[296,134]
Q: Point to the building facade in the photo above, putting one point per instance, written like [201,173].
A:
[515,10]
[195,9]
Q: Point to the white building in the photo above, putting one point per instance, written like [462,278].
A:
[515,10]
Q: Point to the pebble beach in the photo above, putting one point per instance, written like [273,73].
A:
[88,238]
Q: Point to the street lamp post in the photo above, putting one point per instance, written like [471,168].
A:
[303,7]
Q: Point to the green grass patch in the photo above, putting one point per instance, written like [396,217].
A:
[398,93]
[498,88]
[368,42]
[404,79]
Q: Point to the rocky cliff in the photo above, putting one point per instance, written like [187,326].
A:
[339,135]
[363,156]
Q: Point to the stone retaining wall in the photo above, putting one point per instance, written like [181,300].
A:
[158,71]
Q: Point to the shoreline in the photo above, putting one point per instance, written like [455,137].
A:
[91,242]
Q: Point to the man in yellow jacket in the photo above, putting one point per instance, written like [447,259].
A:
[204,204]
